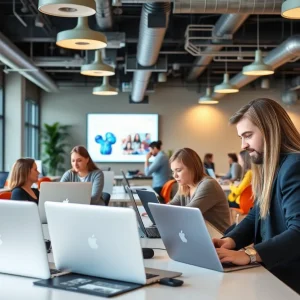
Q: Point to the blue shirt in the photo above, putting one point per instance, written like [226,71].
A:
[159,169]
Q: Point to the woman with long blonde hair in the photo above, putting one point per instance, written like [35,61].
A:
[196,189]
[273,225]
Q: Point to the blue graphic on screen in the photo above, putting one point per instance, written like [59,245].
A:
[106,145]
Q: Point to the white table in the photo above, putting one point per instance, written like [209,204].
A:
[199,284]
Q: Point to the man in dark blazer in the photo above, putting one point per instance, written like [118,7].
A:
[273,225]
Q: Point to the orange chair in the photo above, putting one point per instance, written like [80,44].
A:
[246,203]
[5,195]
[43,179]
[166,191]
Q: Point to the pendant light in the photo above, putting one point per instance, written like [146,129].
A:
[225,87]
[290,9]
[97,67]
[105,89]
[208,98]
[81,37]
[258,67]
[68,8]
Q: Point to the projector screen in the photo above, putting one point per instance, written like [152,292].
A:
[120,137]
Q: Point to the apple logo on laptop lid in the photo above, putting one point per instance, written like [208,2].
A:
[93,242]
[65,201]
[182,236]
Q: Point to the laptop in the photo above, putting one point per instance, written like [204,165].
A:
[189,242]
[147,197]
[22,246]
[67,192]
[149,232]
[133,188]
[3,178]
[90,245]
[108,181]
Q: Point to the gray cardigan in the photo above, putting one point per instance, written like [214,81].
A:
[210,199]
[97,179]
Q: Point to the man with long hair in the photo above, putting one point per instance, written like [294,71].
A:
[273,225]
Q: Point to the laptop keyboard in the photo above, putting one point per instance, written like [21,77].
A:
[149,276]
[152,232]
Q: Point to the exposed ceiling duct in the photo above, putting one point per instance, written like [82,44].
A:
[13,57]
[227,7]
[103,14]
[150,42]
[227,24]
[286,51]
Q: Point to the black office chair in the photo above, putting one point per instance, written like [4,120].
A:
[106,198]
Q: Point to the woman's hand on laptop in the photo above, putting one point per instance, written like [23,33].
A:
[226,243]
[239,258]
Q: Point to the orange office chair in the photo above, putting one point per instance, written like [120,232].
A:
[246,203]
[166,192]
[43,179]
[5,195]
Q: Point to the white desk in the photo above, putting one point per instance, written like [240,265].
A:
[199,284]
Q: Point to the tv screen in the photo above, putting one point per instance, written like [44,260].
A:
[120,137]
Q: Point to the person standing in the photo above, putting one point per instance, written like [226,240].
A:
[273,224]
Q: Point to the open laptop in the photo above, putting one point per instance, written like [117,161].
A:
[22,247]
[94,242]
[108,181]
[149,232]
[147,197]
[3,178]
[133,188]
[189,241]
[67,192]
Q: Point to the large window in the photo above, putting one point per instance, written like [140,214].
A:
[32,129]
[1,122]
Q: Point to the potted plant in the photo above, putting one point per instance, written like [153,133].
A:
[54,144]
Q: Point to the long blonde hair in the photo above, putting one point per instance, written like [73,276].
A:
[20,172]
[280,136]
[194,164]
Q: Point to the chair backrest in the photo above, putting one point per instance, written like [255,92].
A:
[246,199]
[5,195]
[106,198]
[42,179]
[167,189]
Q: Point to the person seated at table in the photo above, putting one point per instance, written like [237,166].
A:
[235,171]
[208,161]
[236,191]
[85,170]
[196,189]
[23,175]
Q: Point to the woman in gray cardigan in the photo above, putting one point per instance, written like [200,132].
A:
[196,189]
[85,170]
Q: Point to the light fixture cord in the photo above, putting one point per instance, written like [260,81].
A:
[257,32]
[226,61]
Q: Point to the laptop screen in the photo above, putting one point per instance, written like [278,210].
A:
[125,179]
[3,178]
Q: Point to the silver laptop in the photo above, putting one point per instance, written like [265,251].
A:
[66,192]
[108,181]
[189,241]
[94,242]
[22,247]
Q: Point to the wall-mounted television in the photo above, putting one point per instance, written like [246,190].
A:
[120,137]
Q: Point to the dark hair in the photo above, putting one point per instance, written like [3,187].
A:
[139,138]
[233,156]
[156,145]
[84,153]
[207,156]
[20,172]
[125,148]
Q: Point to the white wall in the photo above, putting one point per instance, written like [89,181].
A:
[183,123]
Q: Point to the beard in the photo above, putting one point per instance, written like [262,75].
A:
[258,159]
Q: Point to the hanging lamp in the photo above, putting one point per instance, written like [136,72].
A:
[290,9]
[208,98]
[68,8]
[105,89]
[81,37]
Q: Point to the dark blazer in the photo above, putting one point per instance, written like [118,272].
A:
[280,250]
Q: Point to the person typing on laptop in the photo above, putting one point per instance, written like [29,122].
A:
[196,189]
[273,224]
[24,174]
[85,170]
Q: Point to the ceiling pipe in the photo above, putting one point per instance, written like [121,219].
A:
[13,57]
[227,24]
[104,14]
[286,51]
[150,42]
